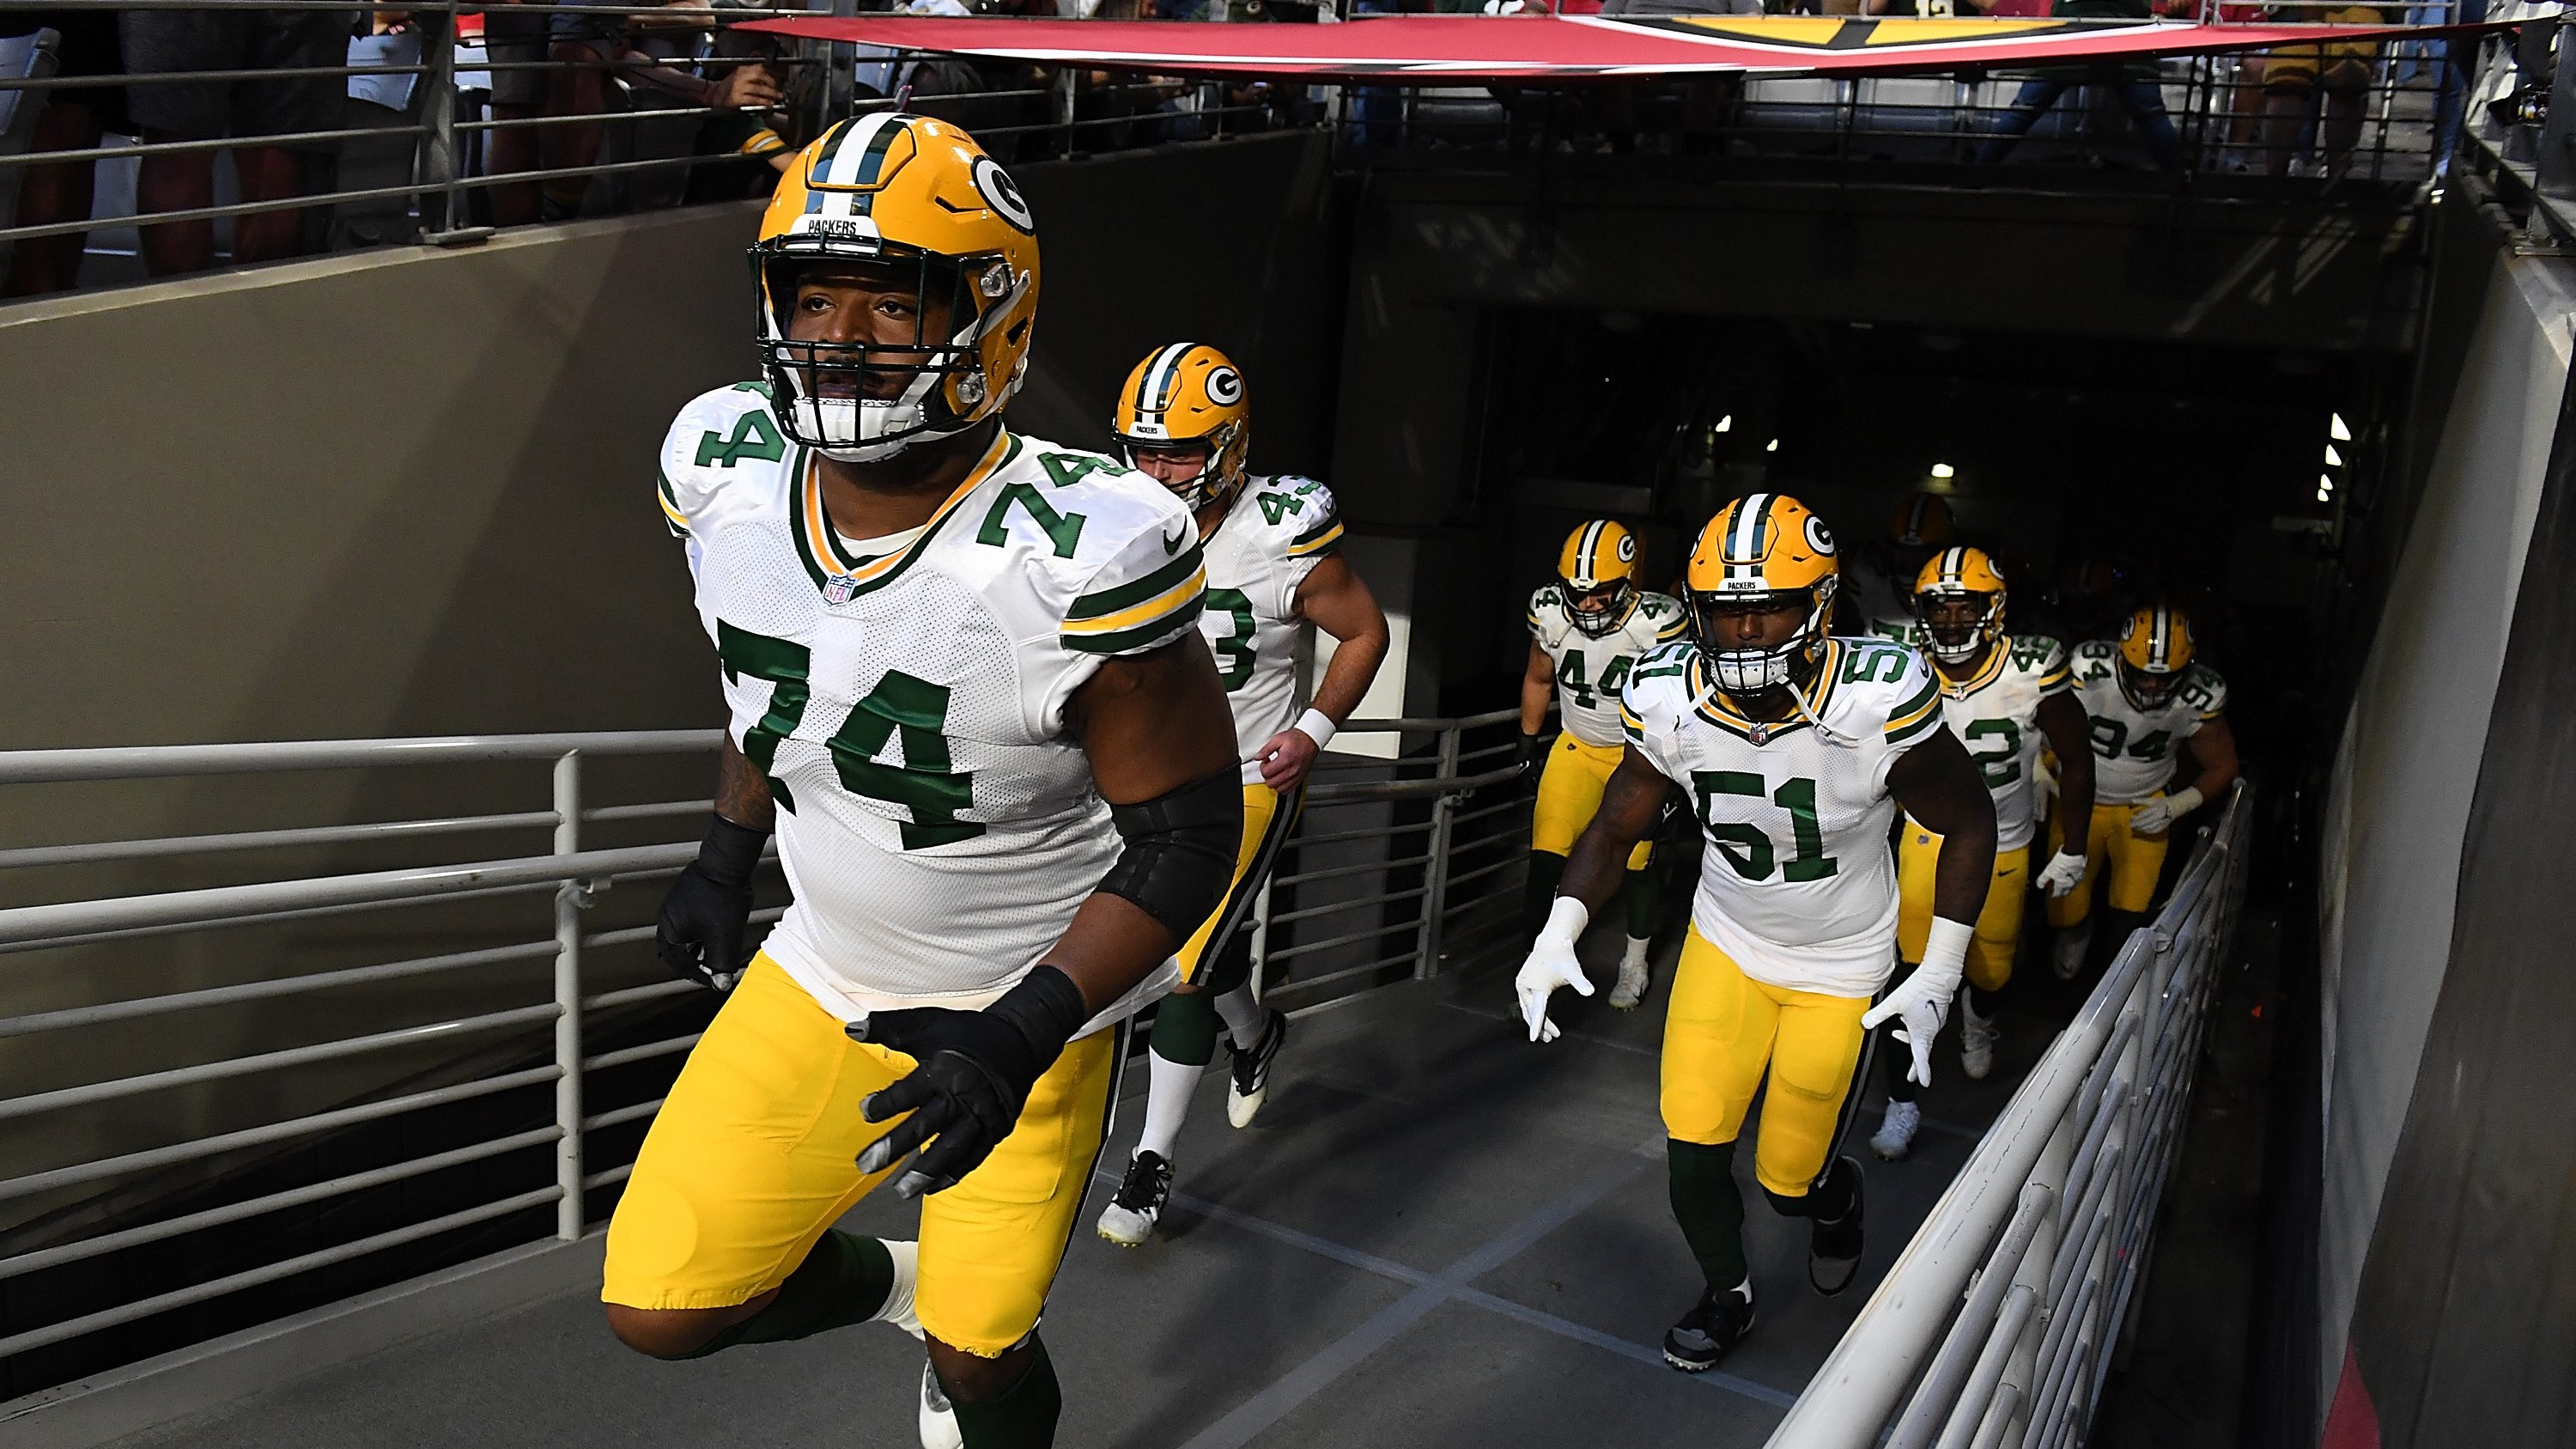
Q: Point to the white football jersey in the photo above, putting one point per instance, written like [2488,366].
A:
[938,825]
[1590,671]
[2133,748]
[1885,610]
[1799,882]
[1258,555]
[1995,713]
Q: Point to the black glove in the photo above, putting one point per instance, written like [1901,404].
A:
[1533,752]
[699,935]
[976,1070]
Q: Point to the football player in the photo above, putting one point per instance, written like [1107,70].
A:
[2143,695]
[967,690]
[2002,695]
[1881,597]
[1792,751]
[1587,632]
[1273,564]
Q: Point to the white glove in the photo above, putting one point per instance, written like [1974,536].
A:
[2154,816]
[1922,1000]
[2062,874]
[1551,964]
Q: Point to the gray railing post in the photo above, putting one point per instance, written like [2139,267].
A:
[1435,877]
[1060,93]
[840,88]
[443,218]
[569,1217]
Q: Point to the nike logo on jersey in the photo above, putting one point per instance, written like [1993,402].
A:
[1172,545]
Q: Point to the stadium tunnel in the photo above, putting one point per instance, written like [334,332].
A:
[404,493]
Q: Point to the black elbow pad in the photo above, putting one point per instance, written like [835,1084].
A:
[1180,851]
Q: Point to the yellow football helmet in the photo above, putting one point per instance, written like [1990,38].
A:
[918,196]
[1596,571]
[2155,649]
[1958,573]
[1187,392]
[1922,521]
[1756,550]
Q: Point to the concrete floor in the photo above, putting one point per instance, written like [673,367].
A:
[1438,1235]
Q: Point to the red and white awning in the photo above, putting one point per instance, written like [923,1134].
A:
[1430,49]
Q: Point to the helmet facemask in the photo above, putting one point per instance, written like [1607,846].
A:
[1739,669]
[1961,623]
[1217,478]
[2149,689]
[865,401]
[1614,598]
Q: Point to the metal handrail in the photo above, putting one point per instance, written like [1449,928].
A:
[2051,1214]
[1340,945]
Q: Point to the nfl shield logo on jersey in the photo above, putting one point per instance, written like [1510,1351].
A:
[841,589]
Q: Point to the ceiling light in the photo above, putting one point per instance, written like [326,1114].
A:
[2321,495]
[2333,458]
[2325,484]
[1772,446]
[2336,430]
[1944,470]
[1726,424]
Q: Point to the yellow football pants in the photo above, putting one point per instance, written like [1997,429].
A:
[1265,829]
[1990,951]
[2135,861]
[1724,1030]
[1569,795]
[755,1153]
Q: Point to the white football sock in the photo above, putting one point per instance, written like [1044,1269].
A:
[1636,951]
[1246,1021]
[1167,1103]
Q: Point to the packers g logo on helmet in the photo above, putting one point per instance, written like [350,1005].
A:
[1758,551]
[1953,574]
[1596,571]
[915,203]
[2156,646]
[1188,392]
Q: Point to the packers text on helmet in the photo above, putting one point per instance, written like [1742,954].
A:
[1959,597]
[2155,649]
[911,207]
[1763,554]
[1185,393]
[1597,573]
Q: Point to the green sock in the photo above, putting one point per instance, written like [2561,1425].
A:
[1645,892]
[1185,1028]
[1709,1209]
[1019,1417]
[1539,896]
[845,1279]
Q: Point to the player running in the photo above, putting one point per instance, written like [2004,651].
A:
[1587,632]
[2142,695]
[1273,565]
[966,688]
[1792,751]
[1879,599]
[2002,694]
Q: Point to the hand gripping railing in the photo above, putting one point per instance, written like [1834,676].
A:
[1368,893]
[2001,1315]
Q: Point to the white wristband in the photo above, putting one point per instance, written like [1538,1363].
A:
[1566,920]
[1316,725]
[2183,801]
[1945,948]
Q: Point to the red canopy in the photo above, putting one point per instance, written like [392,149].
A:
[1428,49]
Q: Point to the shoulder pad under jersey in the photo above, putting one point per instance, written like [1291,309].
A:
[719,436]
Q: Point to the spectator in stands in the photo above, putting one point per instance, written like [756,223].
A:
[638,49]
[262,117]
[2330,82]
[71,119]
[2135,86]
[514,37]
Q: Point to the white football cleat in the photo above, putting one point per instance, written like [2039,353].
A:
[1976,1041]
[1248,1072]
[1130,1217]
[898,1308]
[938,1419]
[1631,988]
[1895,1135]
